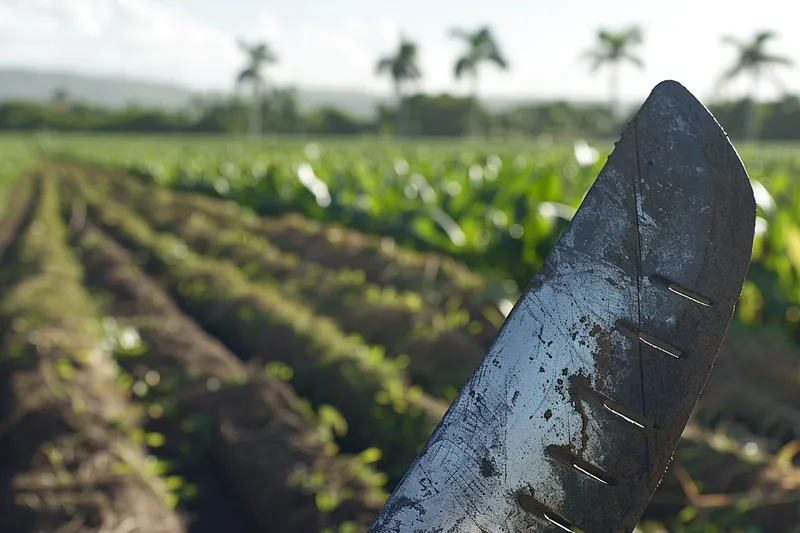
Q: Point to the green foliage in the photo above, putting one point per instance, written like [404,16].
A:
[497,208]
[18,154]
[429,115]
[485,207]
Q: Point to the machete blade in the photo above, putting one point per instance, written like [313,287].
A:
[573,414]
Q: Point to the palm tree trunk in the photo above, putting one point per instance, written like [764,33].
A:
[406,115]
[399,119]
[614,94]
[255,117]
[473,112]
[750,109]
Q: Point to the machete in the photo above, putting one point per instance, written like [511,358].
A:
[573,414]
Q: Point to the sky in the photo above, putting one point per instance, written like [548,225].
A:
[335,44]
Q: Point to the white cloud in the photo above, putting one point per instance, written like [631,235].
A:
[154,40]
[141,38]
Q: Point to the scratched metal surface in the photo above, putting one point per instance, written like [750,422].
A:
[572,416]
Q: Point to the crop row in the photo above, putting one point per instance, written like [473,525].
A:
[67,428]
[258,322]
[263,440]
[499,210]
[743,426]
[442,345]
[381,258]
[231,312]
[116,405]
[487,208]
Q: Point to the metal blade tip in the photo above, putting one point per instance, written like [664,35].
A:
[670,88]
[671,95]
[674,115]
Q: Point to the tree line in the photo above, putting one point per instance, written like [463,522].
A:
[424,115]
[275,110]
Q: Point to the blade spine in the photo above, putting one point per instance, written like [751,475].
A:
[637,199]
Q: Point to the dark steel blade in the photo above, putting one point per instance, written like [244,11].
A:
[574,412]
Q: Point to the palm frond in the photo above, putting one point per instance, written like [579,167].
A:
[775,59]
[463,65]
[614,47]
[495,57]
[605,36]
[402,65]
[262,53]
[248,74]
[633,35]
[384,64]
[763,36]
[407,51]
[590,54]
[752,56]
[259,50]
[598,61]
[733,72]
[413,72]
[271,57]
[636,60]
[484,34]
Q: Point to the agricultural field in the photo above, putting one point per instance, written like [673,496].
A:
[206,334]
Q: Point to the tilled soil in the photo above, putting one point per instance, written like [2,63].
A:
[262,324]
[170,364]
[442,354]
[69,462]
[103,433]
[260,431]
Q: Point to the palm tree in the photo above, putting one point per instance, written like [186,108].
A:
[481,47]
[258,56]
[756,62]
[402,67]
[613,49]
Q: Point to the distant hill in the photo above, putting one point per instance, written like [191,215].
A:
[115,92]
[39,86]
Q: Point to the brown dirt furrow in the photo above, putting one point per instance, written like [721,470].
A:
[339,247]
[68,461]
[258,322]
[263,436]
[439,279]
[441,353]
